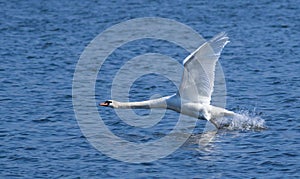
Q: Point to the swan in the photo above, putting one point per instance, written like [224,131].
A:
[194,95]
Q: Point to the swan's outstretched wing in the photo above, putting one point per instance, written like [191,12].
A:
[199,70]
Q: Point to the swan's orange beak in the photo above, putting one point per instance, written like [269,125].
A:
[103,104]
[106,103]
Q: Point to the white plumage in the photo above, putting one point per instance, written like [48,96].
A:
[194,95]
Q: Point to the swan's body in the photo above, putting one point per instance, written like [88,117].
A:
[194,95]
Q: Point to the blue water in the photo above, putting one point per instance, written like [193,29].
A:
[41,42]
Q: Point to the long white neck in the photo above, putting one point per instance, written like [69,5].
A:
[154,103]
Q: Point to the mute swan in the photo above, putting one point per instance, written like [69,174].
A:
[194,95]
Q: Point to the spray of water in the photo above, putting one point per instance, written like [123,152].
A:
[244,120]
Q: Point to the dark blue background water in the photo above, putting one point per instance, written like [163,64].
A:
[41,42]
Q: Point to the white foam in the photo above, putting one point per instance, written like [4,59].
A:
[245,120]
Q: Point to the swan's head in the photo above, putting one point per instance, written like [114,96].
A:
[108,103]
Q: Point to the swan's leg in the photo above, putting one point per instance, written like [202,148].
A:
[214,123]
[209,117]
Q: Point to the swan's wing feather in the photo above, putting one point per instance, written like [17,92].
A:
[199,70]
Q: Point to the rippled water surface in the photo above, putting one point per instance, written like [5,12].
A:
[41,42]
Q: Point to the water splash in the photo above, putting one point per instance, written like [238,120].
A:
[244,120]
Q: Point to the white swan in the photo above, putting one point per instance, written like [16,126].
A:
[194,95]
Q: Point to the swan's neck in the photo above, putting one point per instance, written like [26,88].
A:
[154,103]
